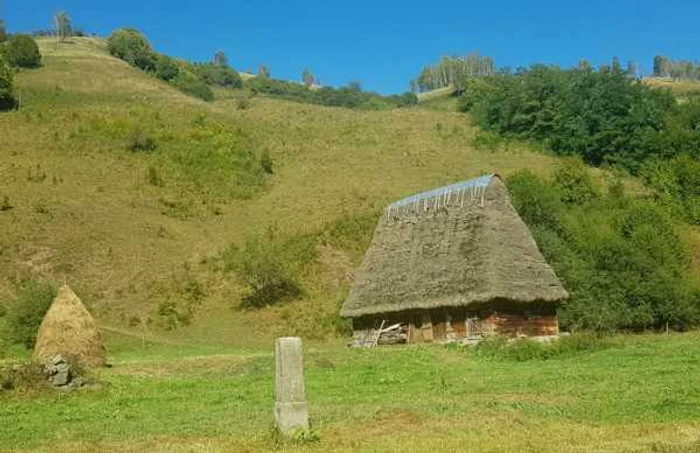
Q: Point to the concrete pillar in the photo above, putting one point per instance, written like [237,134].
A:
[291,413]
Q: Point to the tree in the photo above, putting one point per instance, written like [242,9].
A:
[307,77]
[451,71]
[7,98]
[132,46]
[3,31]
[264,71]
[355,85]
[220,59]
[188,83]
[64,28]
[660,66]
[23,52]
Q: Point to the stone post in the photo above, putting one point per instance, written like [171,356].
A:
[291,413]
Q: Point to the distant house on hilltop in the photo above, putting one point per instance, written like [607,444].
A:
[452,263]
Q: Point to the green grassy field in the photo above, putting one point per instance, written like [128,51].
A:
[632,394]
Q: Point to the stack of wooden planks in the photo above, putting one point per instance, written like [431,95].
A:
[394,334]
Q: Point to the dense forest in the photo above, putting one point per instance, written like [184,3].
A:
[622,258]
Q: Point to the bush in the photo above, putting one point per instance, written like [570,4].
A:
[23,52]
[219,75]
[677,181]
[27,310]
[270,268]
[154,177]
[29,377]
[348,97]
[266,162]
[166,68]
[623,260]
[7,97]
[141,141]
[574,182]
[191,85]
[131,45]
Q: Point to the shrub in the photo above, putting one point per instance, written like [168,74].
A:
[140,141]
[347,97]
[26,377]
[270,267]
[154,177]
[27,310]
[23,52]
[574,182]
[266,162]
[7,97]
[5,204]
[623,260]
[676,180]
[537,204]
[166,68]
[242,103]
[219,75]
[191,85]
[131,45]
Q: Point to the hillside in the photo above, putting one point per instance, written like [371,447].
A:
[140,232]
[680,88]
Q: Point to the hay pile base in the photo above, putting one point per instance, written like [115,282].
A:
[69,330]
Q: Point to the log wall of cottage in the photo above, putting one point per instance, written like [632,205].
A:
[449,324]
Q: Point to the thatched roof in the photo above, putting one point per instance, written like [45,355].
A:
[458,245]
[68,329]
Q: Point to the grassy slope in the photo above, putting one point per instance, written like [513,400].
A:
[678,88]
[636,396]
[97,222]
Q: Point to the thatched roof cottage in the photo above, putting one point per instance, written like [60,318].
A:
[452,263]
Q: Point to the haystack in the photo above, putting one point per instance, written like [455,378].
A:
[453,258]
[69,330]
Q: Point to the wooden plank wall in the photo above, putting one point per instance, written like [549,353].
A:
[513,325]
[443,325]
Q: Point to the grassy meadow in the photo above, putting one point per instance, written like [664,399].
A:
[621,394]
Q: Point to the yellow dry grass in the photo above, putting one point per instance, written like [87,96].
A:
[677,87]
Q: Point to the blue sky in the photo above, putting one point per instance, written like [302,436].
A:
[384,44]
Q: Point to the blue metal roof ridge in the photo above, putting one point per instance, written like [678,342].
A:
[481,181]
